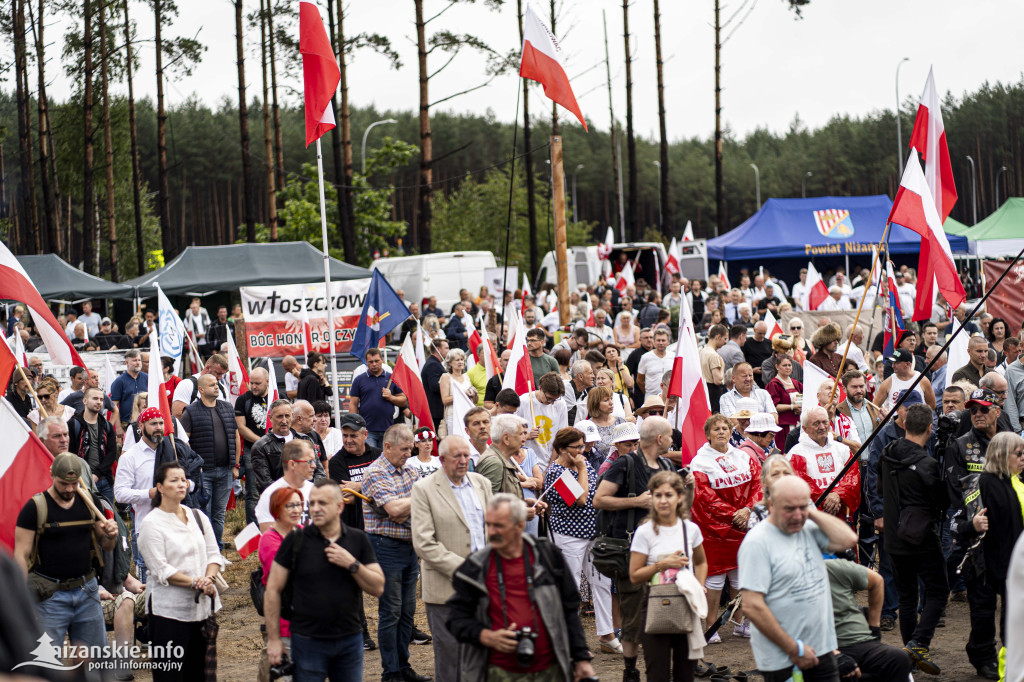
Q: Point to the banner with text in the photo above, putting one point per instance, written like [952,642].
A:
[274,316]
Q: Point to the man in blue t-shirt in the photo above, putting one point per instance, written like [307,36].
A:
[375,398]
[785,586]
[126,386]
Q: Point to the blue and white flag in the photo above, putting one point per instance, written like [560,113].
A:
[383,310]
[172,331]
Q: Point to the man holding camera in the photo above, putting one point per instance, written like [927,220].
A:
[516,607]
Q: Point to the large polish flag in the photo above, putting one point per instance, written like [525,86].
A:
[672,260]
[773,325]
[929,139]
[687,384]
[406,375]
[320,71]
[519,374]
[914,209]
[817,292]
[24,469]
[541,61]
[156,396]
[626,278]
[16,285]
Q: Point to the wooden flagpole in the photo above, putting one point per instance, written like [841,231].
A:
[561,249]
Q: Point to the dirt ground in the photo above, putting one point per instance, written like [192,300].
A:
[239,642]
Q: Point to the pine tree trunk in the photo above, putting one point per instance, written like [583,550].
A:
[719,181]
[664,196]
[140,250]
[268,147]
[346,200]
[108,144]
[632,219]
[421,235]
[88,197]
[168,240]
[278,145]
[28,223]
[243,127]
[531,208]
[51,211]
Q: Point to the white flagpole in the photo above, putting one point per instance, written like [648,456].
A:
[327,285]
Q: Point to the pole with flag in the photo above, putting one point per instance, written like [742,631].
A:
[320,77]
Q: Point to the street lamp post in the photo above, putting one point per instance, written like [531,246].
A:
[367,132]
[757,184]
[575,215]
[974,192]
[899,126]
[999,174]
[803,183]
[661,217]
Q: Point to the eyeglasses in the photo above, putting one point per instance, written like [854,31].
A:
[293,505]
[44,396]
[979,409]
[655,413]
[578,446]
[795,329]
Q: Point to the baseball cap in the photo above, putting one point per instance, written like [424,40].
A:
[66,467]
[984,396]
[901,355]
[913,399]
[353,421]
[590,432]
[105,320]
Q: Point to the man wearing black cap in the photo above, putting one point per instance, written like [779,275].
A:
[57,561]
[108,339]
[902,378]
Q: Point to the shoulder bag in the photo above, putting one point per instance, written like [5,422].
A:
[668,611]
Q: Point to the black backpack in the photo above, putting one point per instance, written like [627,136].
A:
[257,590]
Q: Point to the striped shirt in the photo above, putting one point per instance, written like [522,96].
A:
[383,483]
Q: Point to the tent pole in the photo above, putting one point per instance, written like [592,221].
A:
[327,288]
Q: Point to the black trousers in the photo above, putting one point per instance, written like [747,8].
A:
[929,566]
[826,671]
[981,596]
[666,657]
[879,662]
[175,633]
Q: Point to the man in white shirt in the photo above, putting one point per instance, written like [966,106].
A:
[604,333]
[654,364]
[854,339]
[71,317]
[907,292]
[743,387]
[799,290]
[836,300]
[292,370]
[299,463]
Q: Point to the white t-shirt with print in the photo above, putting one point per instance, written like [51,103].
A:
[668,540]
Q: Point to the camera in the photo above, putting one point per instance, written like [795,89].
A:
[283,669]
[525,649]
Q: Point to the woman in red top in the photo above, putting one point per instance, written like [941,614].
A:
[171,380]
[286,506]
[728,486]
[782,388]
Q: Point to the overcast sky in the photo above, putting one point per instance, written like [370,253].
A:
[840,58]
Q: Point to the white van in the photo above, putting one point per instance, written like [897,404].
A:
[649,259]
[437,274]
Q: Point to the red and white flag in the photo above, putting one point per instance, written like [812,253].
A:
[688,232]
[24,469]
[687,385]
[320,71]
[238,377]
[16,285]
[519,374]
[474,344]
[421,355]
[461,405]
[406,376]
[817,292]
[567,487]
[8,366]
[541,61]
[307,333]
[914,209]
[604,249]
[490,360]
[722,277]
[17,348]
[671,260]
[273,392]
[156,396]
[591,322]
[626,278]
[773,325]
[248,540]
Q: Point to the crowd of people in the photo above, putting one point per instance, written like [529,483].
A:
[575,498]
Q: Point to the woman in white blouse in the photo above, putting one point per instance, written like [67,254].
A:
[182,559]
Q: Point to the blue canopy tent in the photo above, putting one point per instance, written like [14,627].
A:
[817,227]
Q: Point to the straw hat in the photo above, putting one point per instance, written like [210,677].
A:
[745,409]
[762,422]
[625,432]
[651,402]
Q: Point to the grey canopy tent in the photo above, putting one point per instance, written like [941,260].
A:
[202,270]
[58,280]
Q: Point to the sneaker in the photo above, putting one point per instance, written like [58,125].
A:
[715,639]
[888,624]
[368,643]
[420,637]
[742,630]
[921,657]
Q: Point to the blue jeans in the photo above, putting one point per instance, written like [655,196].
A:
[375,439]
[76,612]
[106,490]
[217,482]
[252,494]
[338,660]
[891,600]
[397,606]
[140,563]
[946,538]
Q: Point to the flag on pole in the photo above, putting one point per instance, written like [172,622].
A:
[567,487]
[248,540]
[383,310]
[893,318]
[604,249]
[238,377]
[461,405]
[421,355]
[814,377]
[108,381]
[526,292]
[541,61]
[172,330]
[722,277]
[914,209]
[817,292]
[156,396]
[273,392]
[688,232]
[625,279]
[671,260]
[773,325]
[17,348]
[519,373]
[474,343]
[16,285]
[491,366]
[307,333]
[24,469]
[320,71]
[687,385]
[406,376]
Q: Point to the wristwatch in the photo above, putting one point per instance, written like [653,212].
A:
[354,567]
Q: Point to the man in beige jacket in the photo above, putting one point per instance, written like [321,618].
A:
[447,526]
